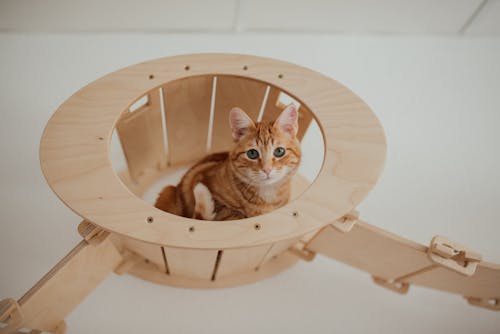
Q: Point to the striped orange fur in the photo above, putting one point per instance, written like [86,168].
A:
[251,179]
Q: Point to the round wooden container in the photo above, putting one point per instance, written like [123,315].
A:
[181,116]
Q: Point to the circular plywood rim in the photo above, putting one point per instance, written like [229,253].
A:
[74,154]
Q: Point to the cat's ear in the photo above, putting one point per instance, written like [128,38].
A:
[287,121]
[240,123]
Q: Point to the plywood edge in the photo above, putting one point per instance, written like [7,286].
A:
[51,299]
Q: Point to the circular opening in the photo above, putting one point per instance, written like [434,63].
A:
[170,129]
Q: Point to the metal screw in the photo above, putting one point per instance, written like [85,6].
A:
[149,219]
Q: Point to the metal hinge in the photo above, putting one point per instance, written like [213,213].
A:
[489,303]
[91,233]
[10,314]
[346,222]
[453,256]
[399,287]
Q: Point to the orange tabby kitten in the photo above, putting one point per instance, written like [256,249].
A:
[251,179]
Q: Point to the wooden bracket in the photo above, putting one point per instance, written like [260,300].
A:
[10,314]
[302,252]
[60,328]
[453,256]
[91,233]
[393,285]
[130,259]
[346,222]
[488,303]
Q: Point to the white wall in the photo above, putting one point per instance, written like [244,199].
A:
[438,99]
[448,17]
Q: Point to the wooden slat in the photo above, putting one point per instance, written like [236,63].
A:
[273,109]
[276,249]
[67,284]
[149,272]
[191,263]
[372,250]
[484,283]
[234,92]
[141,137]
[240,260]
[187,112]
[149,251]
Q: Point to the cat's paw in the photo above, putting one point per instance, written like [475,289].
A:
[204,203]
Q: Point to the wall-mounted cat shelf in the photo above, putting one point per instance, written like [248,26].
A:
[179,122]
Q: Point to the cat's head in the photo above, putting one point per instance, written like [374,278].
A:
[265,153]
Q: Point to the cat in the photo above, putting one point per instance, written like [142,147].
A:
[253,178]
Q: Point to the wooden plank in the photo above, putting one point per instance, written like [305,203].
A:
[273,108]
[141,137]
[276,249]
[372,250]
[484,283]
[234,92]
[149,272]
[191,263]
[187,112]
[240,260]
[149,251]
[67,284]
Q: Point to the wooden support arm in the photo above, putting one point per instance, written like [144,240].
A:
[396,263]
[45,306]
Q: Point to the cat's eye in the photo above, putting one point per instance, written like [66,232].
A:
[279,152]
[252,154]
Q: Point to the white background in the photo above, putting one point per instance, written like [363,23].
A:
[438,98]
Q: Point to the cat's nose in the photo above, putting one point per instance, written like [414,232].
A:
[267,171]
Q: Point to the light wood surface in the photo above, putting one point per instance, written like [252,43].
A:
[191,263]
[46,305]
[372,250]
[149,251]
[141,137]
[278,264]
[398,263]
[187,111]
[76,164]
[240,260]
